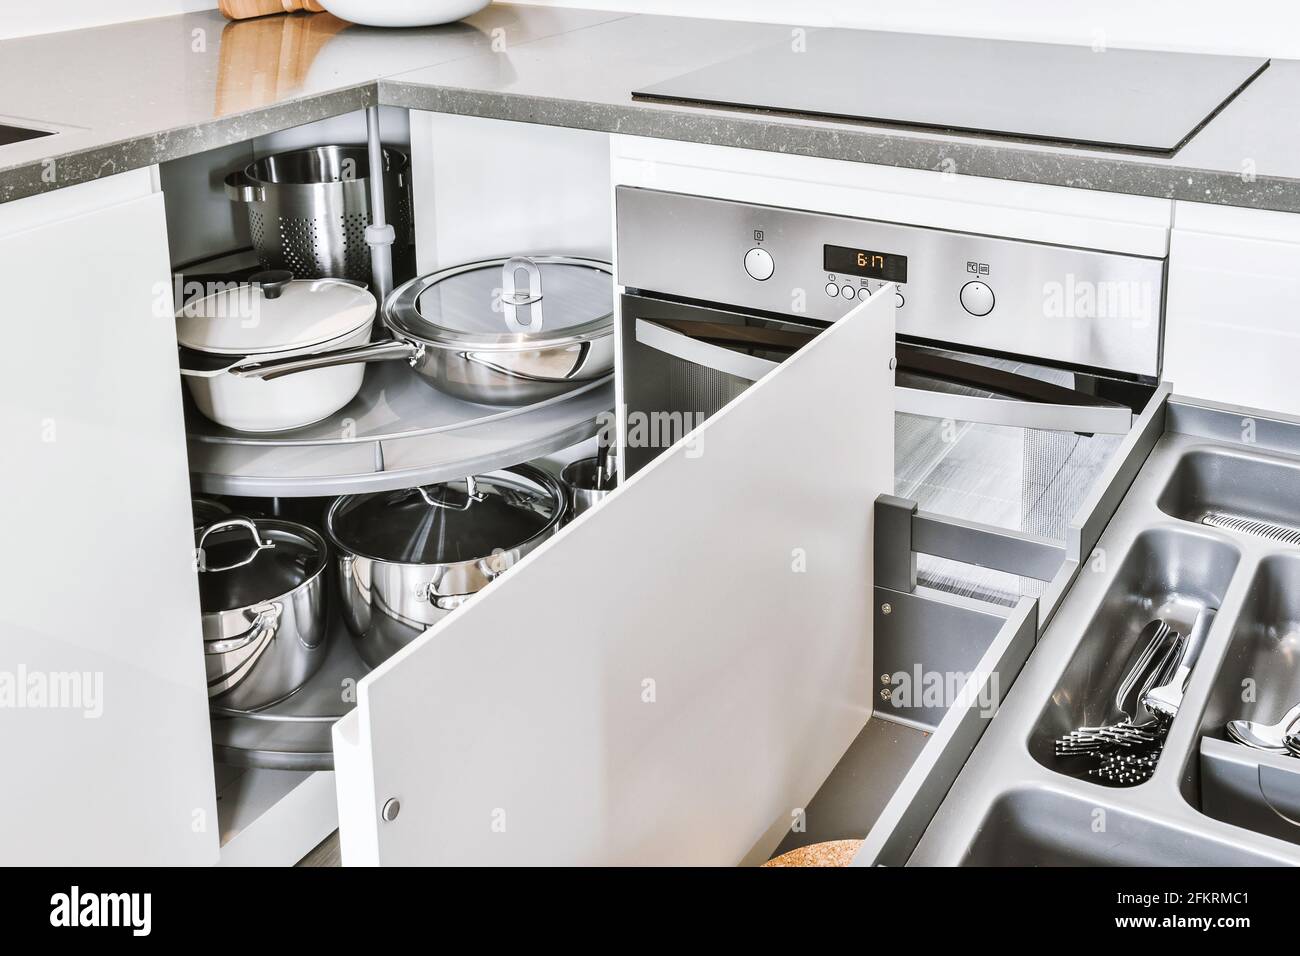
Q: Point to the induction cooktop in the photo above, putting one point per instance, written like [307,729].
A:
[1134,100]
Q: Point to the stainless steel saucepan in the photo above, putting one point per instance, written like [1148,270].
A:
[478,332]
[408,558]
[262,591]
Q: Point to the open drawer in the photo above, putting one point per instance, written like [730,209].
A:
[672,677]
[990,440]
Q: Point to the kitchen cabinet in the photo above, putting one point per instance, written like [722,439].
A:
[673,676]
[1233,333]
[670,679]
[104,712]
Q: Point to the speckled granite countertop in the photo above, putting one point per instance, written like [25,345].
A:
[141,93]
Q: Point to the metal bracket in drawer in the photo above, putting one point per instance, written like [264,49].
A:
[925,646]
[900,825]
[902,531]
[1014,413]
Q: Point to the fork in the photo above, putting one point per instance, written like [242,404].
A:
[1164,700]
[1131,729]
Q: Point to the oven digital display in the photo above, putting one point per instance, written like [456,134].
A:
[869,263]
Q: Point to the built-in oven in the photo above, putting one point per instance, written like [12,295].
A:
[1019,365]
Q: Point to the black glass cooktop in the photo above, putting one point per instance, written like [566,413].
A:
[1134,100]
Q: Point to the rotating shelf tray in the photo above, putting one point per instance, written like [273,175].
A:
[295,734]
[398,432]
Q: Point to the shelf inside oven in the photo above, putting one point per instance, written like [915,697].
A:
[398,432]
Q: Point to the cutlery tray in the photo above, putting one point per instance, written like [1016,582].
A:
[1259,679]
[1167,573]
[1238,491]
[1209,801]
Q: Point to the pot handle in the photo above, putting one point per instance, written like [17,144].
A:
[266,619]
[583,352]
[258,544]
[241,188]
[472,495]
[372,352]
[448,602]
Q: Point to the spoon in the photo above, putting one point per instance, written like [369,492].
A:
[1270,737]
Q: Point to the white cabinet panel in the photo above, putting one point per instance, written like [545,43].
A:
[674,675]
[1232,328]
[99,603]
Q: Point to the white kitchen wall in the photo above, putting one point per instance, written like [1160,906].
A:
[1260,27]
[1263,27]
[20,19]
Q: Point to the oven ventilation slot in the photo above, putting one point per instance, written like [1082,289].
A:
[1259,529]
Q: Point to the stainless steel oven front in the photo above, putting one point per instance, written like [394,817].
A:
[1019,364]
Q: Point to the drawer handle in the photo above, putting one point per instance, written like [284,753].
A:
[661,338]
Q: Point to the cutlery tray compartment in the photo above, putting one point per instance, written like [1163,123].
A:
[1240,491]
[1167,573]
[1251,788]
[1259,680]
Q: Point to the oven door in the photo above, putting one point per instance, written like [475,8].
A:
[994,440]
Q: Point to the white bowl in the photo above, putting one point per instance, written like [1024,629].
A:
[402,13]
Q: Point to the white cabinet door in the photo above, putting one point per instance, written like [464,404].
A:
[103,703]
[1232,332]
[670,678]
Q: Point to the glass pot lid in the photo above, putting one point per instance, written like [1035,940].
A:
[244,561]
[448,523]
[524,301]
[273,312]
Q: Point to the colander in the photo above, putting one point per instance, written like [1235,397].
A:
[308,210]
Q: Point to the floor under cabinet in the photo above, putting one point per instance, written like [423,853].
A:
[327,853]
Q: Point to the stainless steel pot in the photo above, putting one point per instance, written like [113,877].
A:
[262,591]
[474,332]
[408,558]
[587,482]
[308,210]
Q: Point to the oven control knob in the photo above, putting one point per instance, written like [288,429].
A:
[977,298]
[759,264]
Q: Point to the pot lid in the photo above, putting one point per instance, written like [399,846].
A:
[245,561]
[542,300]
[273,312]
[448,523]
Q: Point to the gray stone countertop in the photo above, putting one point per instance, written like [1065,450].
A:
[145,92]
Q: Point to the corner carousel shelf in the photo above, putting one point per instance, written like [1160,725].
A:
[398,432]
[295,733]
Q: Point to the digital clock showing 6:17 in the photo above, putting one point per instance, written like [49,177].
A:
[868,263]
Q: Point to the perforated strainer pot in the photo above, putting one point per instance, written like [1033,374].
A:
[308,210]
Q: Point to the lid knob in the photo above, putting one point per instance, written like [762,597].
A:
[272,282]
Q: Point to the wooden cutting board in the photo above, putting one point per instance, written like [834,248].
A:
[247,9]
